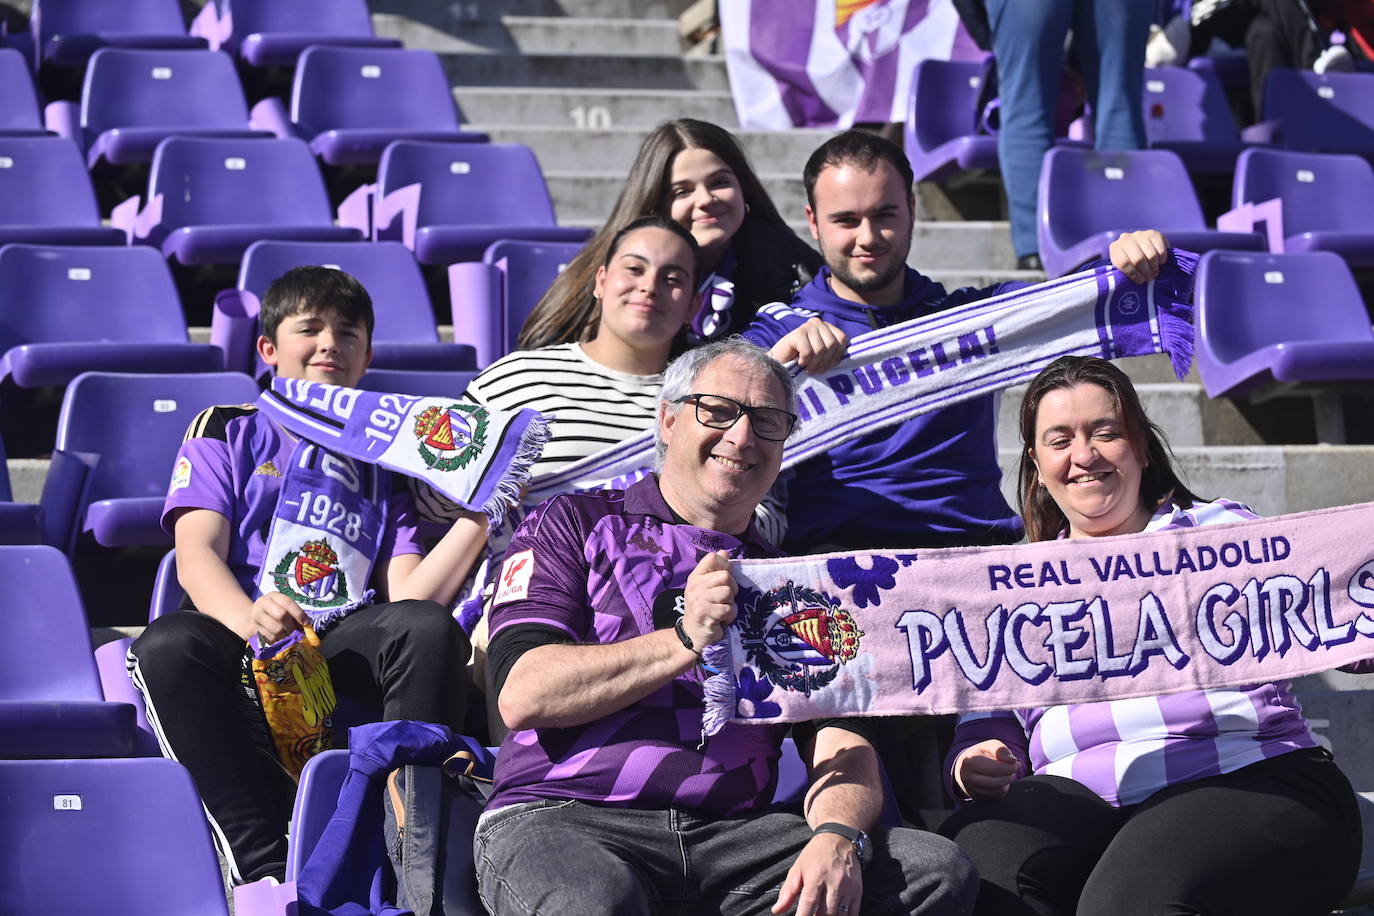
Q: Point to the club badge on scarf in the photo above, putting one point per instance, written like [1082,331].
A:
[922,365]
[1044,624]
[325,535]
[479,458]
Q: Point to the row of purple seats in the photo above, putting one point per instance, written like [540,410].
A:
[261,33]
[77,775]
[1087,198]
[1185,112]
[348,103]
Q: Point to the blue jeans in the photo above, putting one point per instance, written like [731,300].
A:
[1028,39]
[559,857]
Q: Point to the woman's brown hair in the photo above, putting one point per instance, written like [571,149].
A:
[1158,479]
[567,311]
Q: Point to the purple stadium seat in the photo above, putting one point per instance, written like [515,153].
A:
[349,103]
[46,196]
[1087,198]
[448,201]
[405,336]
[67,32]
[492,298]
[209,199]
[941,133]
[1264,318]
[117,436]
[133,99]
[115,837]
[19,114]
[167,591]
[1231,70]
[1186,112]
[272,33]
[20,523]
[65,310]
[51,703]
[419,384]
[1317,112]
[1327,199]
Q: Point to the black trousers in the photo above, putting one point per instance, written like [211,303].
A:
[1274,33]
[1281,836]
[408,658]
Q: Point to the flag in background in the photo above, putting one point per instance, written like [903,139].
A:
[830,63]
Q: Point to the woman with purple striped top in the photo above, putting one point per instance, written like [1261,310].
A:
[1213,801]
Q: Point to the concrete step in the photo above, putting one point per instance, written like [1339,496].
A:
[535,35]
[1272,479]
[1188,417]
[457,13]
[593,108]
[627,69]
[568,149]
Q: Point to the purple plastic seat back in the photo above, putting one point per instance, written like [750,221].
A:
[1187,105]
[223,182]
[161,89]
[1320,191]
[1084,192]
[528,269]
[387,270]
[43,182]
[167,591]
[1248,301]
[946,96]
[116,837]
[45,617]
[341,87]
[1327,112]
[67,32]
[81,293]
[18,103]
[469,183]
[273,33]
[135,423]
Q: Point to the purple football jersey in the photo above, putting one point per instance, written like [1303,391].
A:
[232,462]
[603,568]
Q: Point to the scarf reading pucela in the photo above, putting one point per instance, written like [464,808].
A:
[884,633]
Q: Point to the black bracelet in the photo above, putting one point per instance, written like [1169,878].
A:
[686,640]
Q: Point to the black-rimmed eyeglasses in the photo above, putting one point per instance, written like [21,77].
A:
[719,412]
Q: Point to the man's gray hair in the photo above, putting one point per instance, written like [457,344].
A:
[681,375]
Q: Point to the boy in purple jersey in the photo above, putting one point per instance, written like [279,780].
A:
[607,799]
[406,654]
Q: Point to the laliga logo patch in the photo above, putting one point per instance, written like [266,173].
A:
[799,637]
[515,577]
[1129,304]
[311,576]
[181,474]
[451,437]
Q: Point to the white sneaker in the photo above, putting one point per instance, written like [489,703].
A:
[1334,59]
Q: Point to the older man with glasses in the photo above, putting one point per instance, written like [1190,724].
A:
[607,797]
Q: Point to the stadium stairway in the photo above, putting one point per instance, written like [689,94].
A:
[581,81]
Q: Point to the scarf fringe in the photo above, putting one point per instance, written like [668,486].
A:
[1174,298]
[719,689]
[512,484]
[326,619]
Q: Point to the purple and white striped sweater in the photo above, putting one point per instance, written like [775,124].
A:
[597,565]
[1127,750]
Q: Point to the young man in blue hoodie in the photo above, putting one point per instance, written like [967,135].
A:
[933,481]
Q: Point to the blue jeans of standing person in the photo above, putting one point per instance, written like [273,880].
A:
[1028,38]
[555,857]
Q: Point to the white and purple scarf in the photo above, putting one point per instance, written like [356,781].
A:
[882,633]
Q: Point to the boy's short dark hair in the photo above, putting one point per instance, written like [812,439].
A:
[858,148]
[315,289]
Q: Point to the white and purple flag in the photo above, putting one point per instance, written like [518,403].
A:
[831,63]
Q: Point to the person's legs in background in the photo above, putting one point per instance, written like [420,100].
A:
[1028,39]
[1110,37]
